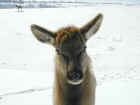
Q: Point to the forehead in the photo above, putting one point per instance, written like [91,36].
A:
[72,46]
[69,38]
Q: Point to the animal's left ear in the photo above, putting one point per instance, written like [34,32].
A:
[92,27]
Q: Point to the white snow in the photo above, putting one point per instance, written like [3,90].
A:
[27,67]
[35,88]
[119,93]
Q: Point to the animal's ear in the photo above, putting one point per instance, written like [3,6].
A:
[43,35]
[92,27]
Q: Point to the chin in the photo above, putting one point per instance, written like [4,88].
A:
[75,82]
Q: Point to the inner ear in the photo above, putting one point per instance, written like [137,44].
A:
[92,27]
[43,35]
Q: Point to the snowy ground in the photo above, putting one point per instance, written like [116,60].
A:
[26,66]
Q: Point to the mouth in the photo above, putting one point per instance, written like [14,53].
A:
[75,82]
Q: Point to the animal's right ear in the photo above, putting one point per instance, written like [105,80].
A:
[92,26]
[43,35]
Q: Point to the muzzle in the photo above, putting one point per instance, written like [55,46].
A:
[75,77]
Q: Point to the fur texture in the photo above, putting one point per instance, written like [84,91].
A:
[74,82]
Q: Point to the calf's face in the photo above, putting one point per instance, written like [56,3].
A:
[70,45]
[70,49]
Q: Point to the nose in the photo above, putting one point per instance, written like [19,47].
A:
[75,75]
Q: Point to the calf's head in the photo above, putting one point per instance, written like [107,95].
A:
[70,45]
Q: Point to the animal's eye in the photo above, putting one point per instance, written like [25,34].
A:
[62,54]
[65,57]
[58,51]
[82,50]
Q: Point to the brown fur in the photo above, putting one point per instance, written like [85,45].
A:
[87,88]
[70,44]
[66,33]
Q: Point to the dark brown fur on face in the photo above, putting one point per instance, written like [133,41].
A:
[71,56]
[68,33]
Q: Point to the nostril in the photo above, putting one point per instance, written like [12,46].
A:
[74,75]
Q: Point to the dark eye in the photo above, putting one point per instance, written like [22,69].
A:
[63,55]
[82,50]
[58,51]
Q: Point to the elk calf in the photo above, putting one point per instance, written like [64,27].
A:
[74,83]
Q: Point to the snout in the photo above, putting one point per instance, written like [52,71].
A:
[75,77]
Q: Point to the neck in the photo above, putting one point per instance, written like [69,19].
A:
[72,94]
